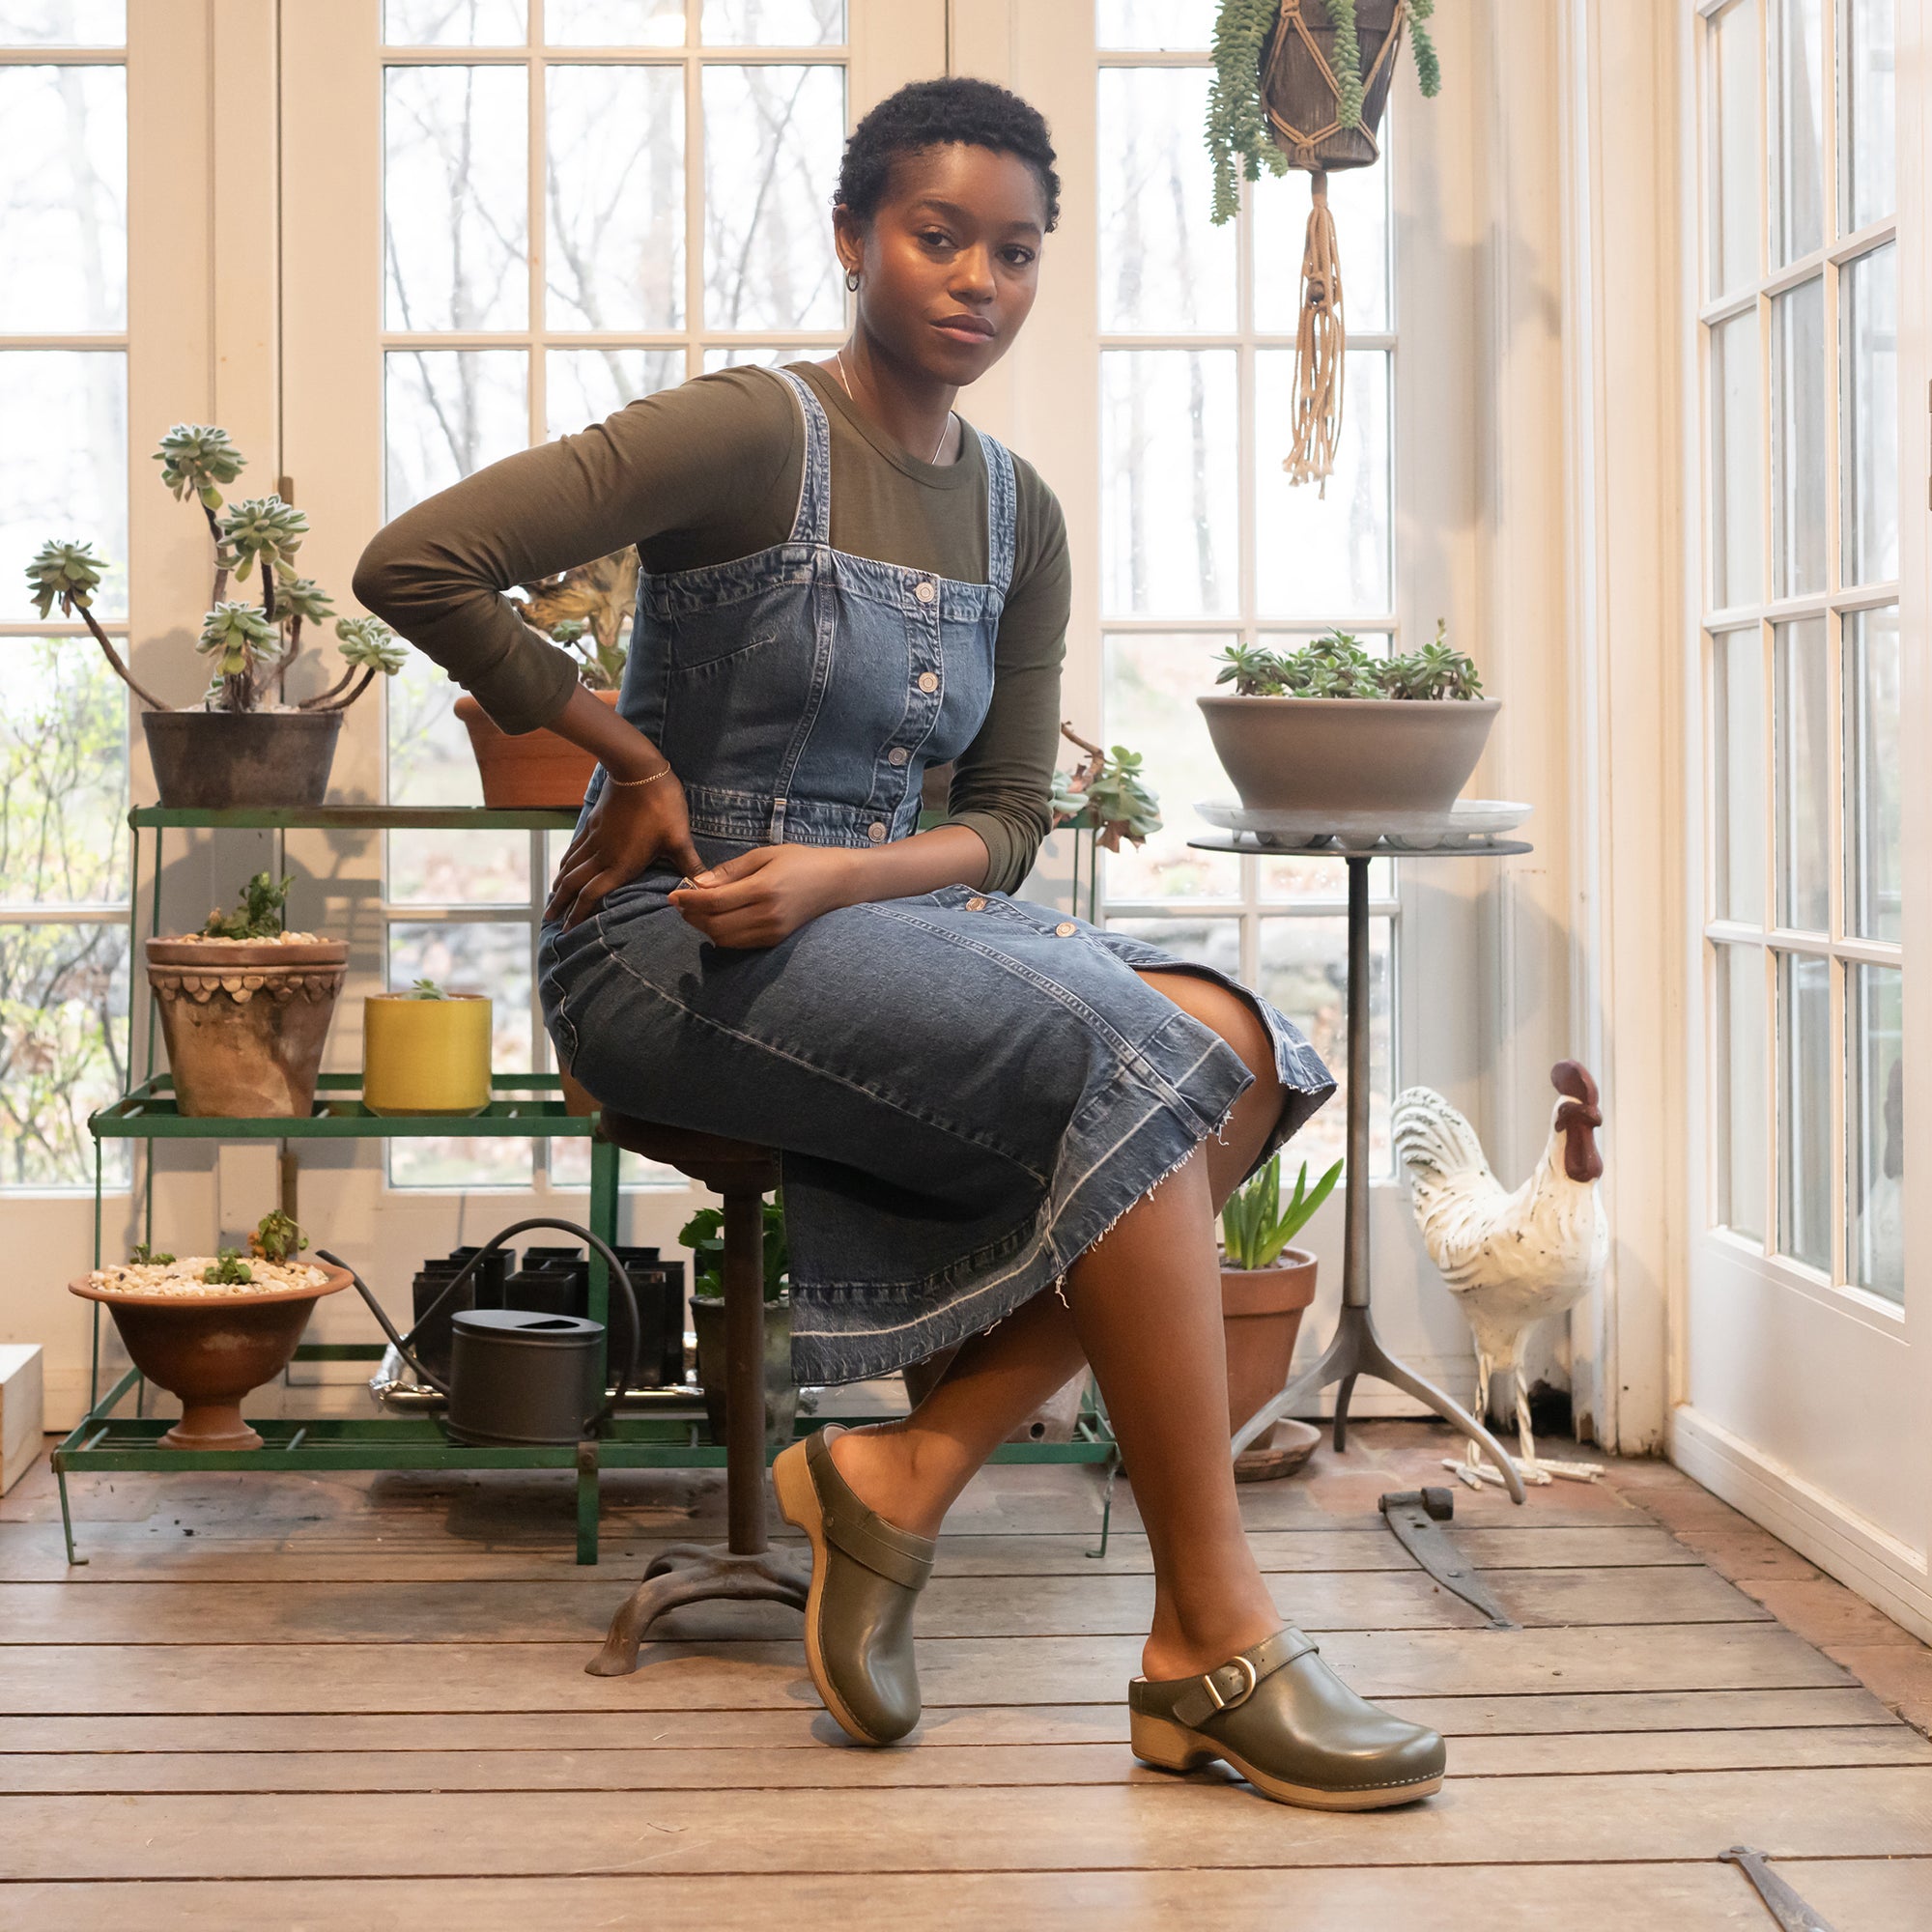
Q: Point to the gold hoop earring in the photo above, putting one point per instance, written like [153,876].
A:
[852,280]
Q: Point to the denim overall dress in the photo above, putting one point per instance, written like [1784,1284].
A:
[966,1089]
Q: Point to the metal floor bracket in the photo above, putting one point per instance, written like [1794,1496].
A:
[1417,1517]
[1783,1904]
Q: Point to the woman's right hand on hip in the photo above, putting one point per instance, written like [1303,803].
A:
[630,828]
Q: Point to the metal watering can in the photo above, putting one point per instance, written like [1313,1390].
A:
[518,1378]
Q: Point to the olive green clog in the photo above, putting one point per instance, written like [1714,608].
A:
[1290,1726]
[867,1575]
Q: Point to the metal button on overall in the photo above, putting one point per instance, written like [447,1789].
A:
[1066,929]
[925,591]
[897,755]
[976,905]
[928,680]
[875,833]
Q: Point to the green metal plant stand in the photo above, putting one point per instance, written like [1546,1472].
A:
[107,1441]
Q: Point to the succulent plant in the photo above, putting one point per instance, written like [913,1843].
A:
[1239,137]
[252,650]
[263,913]
[265,528]
[426,989]
[301,598]
[369,642]
[197,457]
[277,1236]
[1107,786]
[235,635]
[1336,666]
[228,1269]
[67,574]
[141,1255]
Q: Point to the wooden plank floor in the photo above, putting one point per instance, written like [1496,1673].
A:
[334,1701]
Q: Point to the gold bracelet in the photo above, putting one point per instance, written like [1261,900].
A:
[611,778]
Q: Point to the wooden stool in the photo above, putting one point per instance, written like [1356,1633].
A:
[691,1572]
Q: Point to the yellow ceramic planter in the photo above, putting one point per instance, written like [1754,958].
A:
[425,1055]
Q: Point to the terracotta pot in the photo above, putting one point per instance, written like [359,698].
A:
[533,770]
[244,1024]
[1348,753]
[425,1055]
[213,1352]
[1299,97]
[1260,1316]
[212,759]
[708,1322]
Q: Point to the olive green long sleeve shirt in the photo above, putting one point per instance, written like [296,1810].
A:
[705,474]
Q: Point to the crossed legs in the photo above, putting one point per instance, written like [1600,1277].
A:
[1143,1307]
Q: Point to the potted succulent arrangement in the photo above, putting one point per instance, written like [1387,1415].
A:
[246,1007]
[1266,1287]
[426,1051]
[1330,728]
[587,611]
[208,1328]
[705,1235]
[241,743]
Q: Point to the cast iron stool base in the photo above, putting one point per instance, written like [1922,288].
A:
[692,1572]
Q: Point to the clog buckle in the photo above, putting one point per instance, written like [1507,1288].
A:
[1246,1667]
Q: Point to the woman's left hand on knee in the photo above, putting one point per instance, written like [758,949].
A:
[765,894]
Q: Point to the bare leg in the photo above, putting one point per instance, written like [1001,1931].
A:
[1144,1312]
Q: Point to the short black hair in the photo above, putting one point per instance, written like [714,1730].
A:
[935,113]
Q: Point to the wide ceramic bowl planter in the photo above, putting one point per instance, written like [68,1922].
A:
[246,1021]
[426,1056]
[708,1322]
[1261,1319]
[1392,754]
[535,771]
[214,760]
[212,1351]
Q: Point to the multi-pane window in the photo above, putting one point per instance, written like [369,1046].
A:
[1800,333]
[63,712]
[1205,543]
[584,201]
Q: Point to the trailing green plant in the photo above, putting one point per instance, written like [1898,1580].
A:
[1239,137]
[1256,1226]
[1108,787]
[277,1238]
[251,648]
[705,1235]
[228,1269]
[261,915]
[1336,666]
[141,1255]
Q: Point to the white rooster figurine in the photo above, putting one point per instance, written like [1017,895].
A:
[1509,1259]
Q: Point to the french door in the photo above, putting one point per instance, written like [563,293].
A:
[1806,1341]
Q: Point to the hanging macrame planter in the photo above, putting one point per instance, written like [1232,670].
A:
[1324,84]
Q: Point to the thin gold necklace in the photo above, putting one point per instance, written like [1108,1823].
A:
[839,356]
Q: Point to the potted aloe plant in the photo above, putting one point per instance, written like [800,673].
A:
[246,1007]
[241,743]
[705,1235]
[1266,1286]
[588,610]
[1331,728]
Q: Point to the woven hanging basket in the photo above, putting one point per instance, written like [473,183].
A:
[1303,99]
[1302,96]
